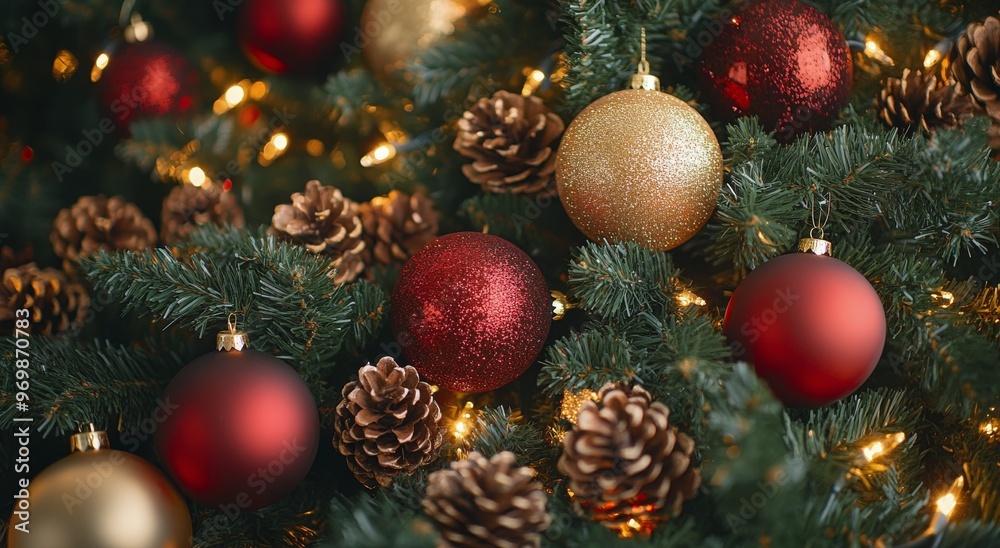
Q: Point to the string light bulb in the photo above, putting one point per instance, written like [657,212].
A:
[882,446]
[64,65]
[196,176]
[874,51]
[945,505]
[687,298]
[463,424]
[533,82]
[379,155]
[937,53]
[100,64]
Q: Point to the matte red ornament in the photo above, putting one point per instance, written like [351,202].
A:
[241,430]
[812,326]
[471,311]
[292,35]
[782,61]
[146,80]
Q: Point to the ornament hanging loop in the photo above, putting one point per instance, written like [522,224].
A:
[232,339]
[815,243]
[642,79]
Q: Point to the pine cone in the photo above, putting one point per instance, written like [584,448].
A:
[480,502]
[97,223]
[53,302]
[624,460]
[917,102]
[397,226]
[510,138]
[326,223]
[187,207]
[975,64]
[388,423]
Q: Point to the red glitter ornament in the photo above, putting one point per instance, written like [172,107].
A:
[291,35]
[471,311]
[146,81]
[782,61]
[241,429]
[812,326]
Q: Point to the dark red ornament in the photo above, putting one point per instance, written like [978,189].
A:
[812,326]
[241,430]
[292,35]
[782,61]
[471,311]
[146,80]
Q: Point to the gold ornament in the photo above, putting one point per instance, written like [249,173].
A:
[99,497]
[395,32]
[639,165]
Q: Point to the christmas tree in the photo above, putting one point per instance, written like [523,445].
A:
[768,231]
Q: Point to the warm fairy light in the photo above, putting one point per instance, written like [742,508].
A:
[990,428]
[944,298]
[196,176]
[100,64]
[947,502]
[873,50]
[258,90]
[280,141]
[315,147]
[64,65]
[138,30]
[687,298]
[533,82]
[463,425]
[379,155]
[633,528]
[932,58]
[573,401]
[883,446]
[235,95]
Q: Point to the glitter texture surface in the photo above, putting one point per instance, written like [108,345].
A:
[471,311]
[640,166]
[782,61]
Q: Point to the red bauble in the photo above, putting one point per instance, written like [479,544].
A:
[241,430]
[471,311]
[782,61]
[291,35]
[812,326]
[146,81]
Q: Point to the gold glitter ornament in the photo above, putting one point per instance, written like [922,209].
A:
[639,165]
[396,32]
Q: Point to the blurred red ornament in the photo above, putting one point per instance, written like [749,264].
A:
[782,61]
[471,311]
[292,35]
[249,115]
[146,80]
[27,154]
[241,430]
[812,326]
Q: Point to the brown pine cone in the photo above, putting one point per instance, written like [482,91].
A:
[624,460]
[53,302]
[480,502]
[188,207]
[326,223]
[97,223]
[510,138]
[397,226]
[388,423]
[916,102]
[975,64]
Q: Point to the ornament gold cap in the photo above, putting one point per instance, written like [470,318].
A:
[816,246]
[88,439]
[232,339]
[560,304]
[642,79]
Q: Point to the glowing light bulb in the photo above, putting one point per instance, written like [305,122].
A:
[883,446]
[99,65]
[197,176]
[235,95]
[379,155]
[873,50]
[280,141]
